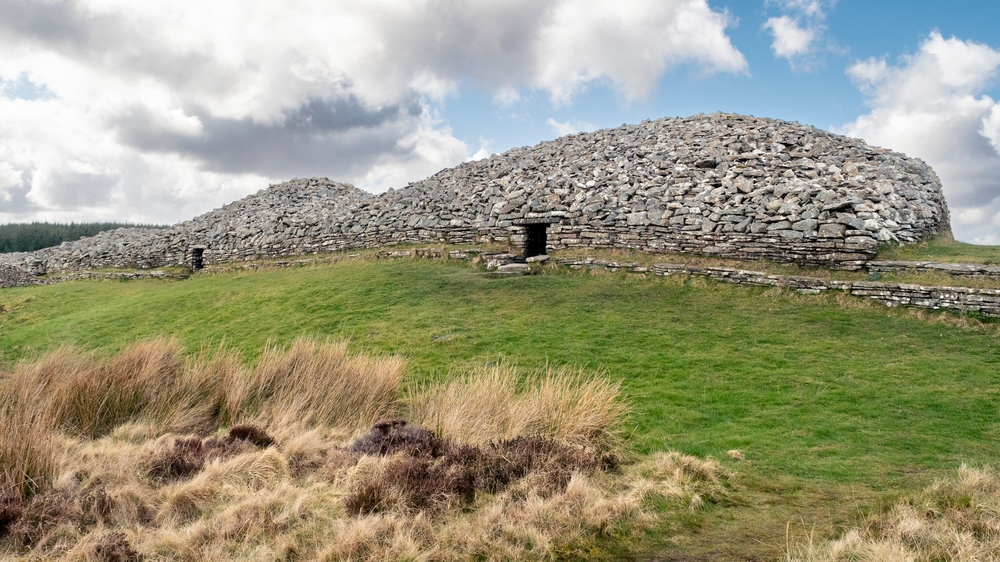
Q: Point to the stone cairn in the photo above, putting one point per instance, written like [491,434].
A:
[728,186]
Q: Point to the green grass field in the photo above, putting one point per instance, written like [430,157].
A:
[835,404]
[942,249]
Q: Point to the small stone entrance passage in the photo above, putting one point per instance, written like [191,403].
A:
[197,258]
[536,237]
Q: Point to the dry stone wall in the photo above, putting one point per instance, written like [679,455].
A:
[724,185]
[955,269]
[964,300]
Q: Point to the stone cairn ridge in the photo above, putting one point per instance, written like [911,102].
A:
[11,276]
[123,248]
[729,186]
[723,185]
[292,218]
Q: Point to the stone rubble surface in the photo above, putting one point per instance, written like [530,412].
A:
[11,276]
[728,186]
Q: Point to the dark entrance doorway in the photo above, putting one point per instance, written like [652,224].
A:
[535,239]
[197,258]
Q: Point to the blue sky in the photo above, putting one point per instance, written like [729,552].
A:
[159,111]
[821,95]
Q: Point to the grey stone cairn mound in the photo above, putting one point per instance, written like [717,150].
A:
[728,186]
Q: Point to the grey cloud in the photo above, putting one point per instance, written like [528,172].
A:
[70,188]
[81,189]
[18,202]
[55,22]
[493,42]
[111,41]
[337,138]
[974,181]
[274,103]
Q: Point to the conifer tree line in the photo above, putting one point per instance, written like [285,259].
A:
[28,237]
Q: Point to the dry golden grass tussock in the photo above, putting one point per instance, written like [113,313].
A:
[28,453]
[513,468]
[955,520]
[496,403]
[150,388]
[683,477]
[147,382]
[295,387]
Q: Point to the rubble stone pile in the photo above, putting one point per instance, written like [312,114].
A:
[11,276]
[729,186]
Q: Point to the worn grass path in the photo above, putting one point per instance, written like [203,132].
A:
[827,401]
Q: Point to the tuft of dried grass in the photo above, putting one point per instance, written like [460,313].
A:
[955,519]
[207,458]
[28,452]
[78,393]
[682,477]
[109,546]
[497,403]
[149,389]
[313,384]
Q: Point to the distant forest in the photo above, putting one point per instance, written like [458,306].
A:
[28,237]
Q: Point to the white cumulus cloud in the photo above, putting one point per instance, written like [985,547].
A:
[809,8]
[9,177]
[631,43]
[797,32]
[156,111]
[790,39]
[932,106]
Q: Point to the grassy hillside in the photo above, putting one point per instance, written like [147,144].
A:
[802,384]
[831,400]
[944,248]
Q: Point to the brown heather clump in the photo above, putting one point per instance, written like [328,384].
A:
[151,456]
[428,472]
[955,520]
[182,457]
[114,547]
[10,512]
[46,512]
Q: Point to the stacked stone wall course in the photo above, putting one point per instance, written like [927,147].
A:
[956,269]
[964,300]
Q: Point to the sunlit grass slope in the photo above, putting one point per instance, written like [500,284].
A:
[943,249]
[803,385]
